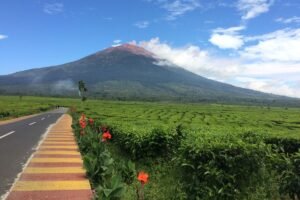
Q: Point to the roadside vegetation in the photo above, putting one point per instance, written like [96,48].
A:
[190,151]
[140,150]
[18,106]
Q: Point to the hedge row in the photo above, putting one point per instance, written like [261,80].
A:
[158,142]
[219,166]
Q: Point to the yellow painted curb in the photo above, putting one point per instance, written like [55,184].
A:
[59,140]
[61,134]
[59,143]
[59,147]
[56,160]
[51,185]
[61,131]
[43,170]
[59,152]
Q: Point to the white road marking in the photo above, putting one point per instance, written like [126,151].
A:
[31,123]
[7,134]
[43,118]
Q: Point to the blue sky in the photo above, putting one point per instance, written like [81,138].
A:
[248,43]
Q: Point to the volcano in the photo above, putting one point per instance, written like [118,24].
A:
[129,72]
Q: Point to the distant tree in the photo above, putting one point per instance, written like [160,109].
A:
[82,90]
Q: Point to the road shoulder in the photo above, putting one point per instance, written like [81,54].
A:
[55,170]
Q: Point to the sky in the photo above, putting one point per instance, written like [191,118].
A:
[248,43]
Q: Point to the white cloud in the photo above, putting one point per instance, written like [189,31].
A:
[53,8]
[253,8]
[270,86]
[264,75]
[3,37]
[231,30]
[226,41]
[294,19]
[142,24]
[192,58]
[176,8]
[116,43]
[227,38]
[272,69]
[180,7]
[282,46]
[63,85]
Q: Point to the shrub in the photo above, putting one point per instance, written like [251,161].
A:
[218,166]
[283,144]
[111,190]
[288,173]
[4,114]
[157,142]
[290,178]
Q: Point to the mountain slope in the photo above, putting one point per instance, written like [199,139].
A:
[128,72]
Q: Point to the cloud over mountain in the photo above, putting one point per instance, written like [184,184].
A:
[252,63]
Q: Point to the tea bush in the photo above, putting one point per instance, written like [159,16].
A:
[218,166]
[290,177]
[158,142]
[209,165]
[284,144]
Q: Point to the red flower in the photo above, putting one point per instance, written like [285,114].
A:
[82,124]
[143,177]
[106,136]
[91,121]
[82,121]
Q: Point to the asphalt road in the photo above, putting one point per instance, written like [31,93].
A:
[18,141]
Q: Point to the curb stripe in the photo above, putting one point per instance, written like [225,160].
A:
[59,170]
[51,185]
[50,177]
[59,152]
[55,156]
[52,160]
[51,195]
[60,139]
[58,149]
[58,145]
[60,136]
[54,165]
[62,142]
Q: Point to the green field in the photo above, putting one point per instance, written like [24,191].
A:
[15,106]
[191,151]
[205,117]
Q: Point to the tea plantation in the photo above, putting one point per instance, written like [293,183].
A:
[189,151]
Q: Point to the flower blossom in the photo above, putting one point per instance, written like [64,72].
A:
[106,136]
[143,177]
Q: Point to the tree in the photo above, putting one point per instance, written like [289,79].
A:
[82,90]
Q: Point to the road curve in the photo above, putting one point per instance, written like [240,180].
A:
[18,141]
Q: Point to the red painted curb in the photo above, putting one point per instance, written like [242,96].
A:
[51,195]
